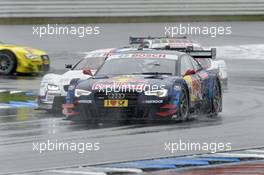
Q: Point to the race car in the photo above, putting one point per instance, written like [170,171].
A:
[22,59]
[165,43]
[149,85]
[185,45]
[54,87]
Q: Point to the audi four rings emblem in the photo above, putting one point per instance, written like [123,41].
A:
[116,96]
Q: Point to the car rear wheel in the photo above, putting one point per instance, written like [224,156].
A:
[184,110]
[8,63]
[216,100]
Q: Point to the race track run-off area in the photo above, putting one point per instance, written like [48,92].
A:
[240,123]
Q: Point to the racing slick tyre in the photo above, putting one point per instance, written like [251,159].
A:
[216,100]
[8,63]
[182,114]
[184,108]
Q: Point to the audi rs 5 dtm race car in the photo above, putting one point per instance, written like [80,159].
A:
[53,87]
[22,59]
[184,45]
[148,85]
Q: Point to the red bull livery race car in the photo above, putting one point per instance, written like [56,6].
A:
[149,85]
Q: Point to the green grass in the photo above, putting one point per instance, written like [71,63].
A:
[6,97]
[145,19]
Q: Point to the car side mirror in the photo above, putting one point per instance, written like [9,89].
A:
[87,72]
[189,72]
[68,66]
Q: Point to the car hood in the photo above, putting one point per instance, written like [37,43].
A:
[72,74]
[65,78]
[127,81]
[25,49]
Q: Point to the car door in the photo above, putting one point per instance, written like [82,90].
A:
[191,76]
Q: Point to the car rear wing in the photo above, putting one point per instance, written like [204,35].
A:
[140,40]
[203,53]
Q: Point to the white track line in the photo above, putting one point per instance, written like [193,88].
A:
[242,155]
[77,172]
[4,107]
[15,92]
[3,90]
[120,170]
[126,170]
[256,151]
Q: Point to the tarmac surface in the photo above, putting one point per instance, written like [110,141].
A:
[240,123]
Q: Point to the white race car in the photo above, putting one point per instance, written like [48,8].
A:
[184,45]
[53,87]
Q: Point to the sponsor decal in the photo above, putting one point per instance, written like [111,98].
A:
[144,55]
[148,55]
[85,101]
[152,101]
[115,103]
[123,79]
[128,78]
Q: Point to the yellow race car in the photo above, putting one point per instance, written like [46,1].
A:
[21,59]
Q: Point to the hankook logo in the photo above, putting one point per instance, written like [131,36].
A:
[116,96]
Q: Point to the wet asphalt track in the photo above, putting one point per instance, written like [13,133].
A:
[241,122]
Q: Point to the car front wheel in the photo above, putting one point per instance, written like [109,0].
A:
[8,63]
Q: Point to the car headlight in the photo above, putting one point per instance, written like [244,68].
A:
[80,92]
[53,87]
[31,56]
[158,93]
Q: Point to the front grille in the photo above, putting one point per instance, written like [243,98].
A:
[130,110]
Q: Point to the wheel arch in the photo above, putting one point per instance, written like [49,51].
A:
[10,51]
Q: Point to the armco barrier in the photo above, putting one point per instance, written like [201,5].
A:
[127,8]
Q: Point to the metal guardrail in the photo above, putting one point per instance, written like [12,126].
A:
[127,8]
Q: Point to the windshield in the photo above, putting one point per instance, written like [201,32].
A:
[125,66]
[91,63]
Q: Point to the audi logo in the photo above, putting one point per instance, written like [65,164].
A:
[116,96]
